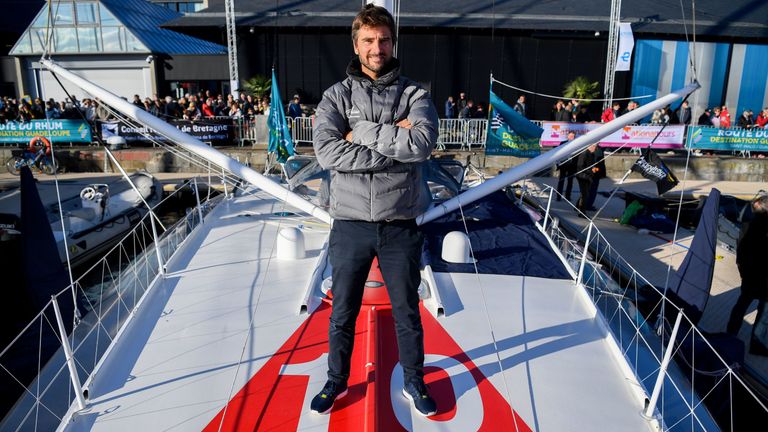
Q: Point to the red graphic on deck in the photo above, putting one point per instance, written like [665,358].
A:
[274,402]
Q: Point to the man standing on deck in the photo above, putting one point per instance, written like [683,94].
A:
[585,174]
[750,259]
[373,131]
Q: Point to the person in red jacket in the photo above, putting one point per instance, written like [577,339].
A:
[208,108]
[725,117]
[610,113]
[762,118]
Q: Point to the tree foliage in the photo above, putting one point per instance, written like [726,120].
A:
[258,85]
[581,88]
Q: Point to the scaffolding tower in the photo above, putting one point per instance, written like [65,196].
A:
[613,48]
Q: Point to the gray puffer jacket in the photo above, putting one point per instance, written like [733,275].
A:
[377,176]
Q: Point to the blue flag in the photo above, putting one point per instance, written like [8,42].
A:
[280,141]
[509,133]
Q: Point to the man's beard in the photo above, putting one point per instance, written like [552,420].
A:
[376,69]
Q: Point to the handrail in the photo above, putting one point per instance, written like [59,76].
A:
[108,291]
[700,398]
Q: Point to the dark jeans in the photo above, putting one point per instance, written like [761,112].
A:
[585,185]
[565,177]
[740,308]
[593,193]
[352,247]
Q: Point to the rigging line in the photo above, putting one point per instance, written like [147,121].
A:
[566,98]
[76,317]
[674,236]
[253,314]
[692,53]
[487,316]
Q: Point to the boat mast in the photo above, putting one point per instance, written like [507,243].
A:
[234,77]
[613,48]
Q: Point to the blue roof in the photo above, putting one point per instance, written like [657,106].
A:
[143,20]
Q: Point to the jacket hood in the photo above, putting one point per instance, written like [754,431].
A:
[390,73]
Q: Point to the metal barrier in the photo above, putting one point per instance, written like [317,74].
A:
[687,395]
[301,129]
[108,294]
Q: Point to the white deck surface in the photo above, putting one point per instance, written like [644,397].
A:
[176,366]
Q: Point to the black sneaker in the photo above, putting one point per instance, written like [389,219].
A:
[322,403]
[416,392]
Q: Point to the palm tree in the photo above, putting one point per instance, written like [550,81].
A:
[258,86]
[581,88]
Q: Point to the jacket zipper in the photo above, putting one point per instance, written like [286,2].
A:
[370,194]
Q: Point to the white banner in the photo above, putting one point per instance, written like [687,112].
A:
[626,45]
[630,136]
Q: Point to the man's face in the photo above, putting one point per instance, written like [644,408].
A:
[571,136]
[374,48]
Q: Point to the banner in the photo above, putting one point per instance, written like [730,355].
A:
[509,133]
[650,166]
[710,138]
[626,45]
[629,136]
[207,130]
[280,141]
[58,131]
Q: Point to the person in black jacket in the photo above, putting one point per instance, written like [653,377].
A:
[750,259]
[566,170]
[597,175]
[585,174]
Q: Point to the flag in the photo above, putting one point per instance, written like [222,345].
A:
[650,166]
[509,133]
[280,141]
[626,45]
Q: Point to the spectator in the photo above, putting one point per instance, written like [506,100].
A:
[89,111]
[762,118]
[684,114]
[208,109]
[450,108]
[468,111]
[137,101]
[192,113]
[51,112]
[101,112]
[585,173]
[479,112]
[610,113]
[562,112]
[157,108]
[670,117]
[171,109]
[147,105]
[715,117]
[583,115]
[725,117]
[294,108]
[566,170]
[462,103]
[234,110]
[754,279]
[25,114]
[520,106]
[705,118]
[745,121]
[598,173]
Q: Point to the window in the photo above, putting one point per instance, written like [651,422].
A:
[132,43]
[38,39]
[86,13]
[23,46]
[113,39]
[63,14]
[107,19]
[89,39]
[65,40]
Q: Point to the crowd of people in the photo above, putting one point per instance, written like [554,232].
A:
[189,107]
[574,111]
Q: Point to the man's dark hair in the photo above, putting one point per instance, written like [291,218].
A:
[373,16]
